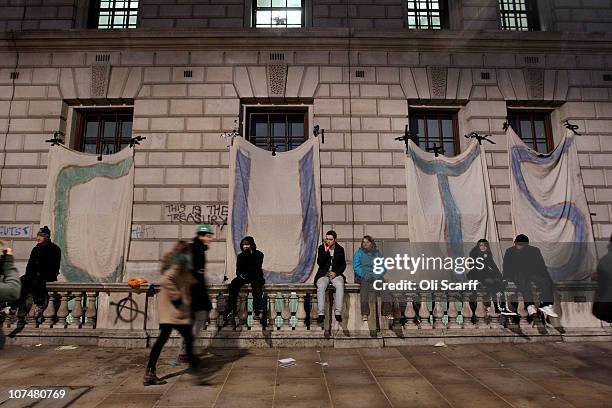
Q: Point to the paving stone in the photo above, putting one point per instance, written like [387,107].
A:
[471,395]
[413,391]
[366,396]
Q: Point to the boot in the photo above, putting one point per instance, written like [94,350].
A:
[151,378]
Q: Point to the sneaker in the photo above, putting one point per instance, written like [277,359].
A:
[531,310]
[320,319]
[151,378]
[339,318]
[507,312]
[365,318]
[548,311]
[256,316]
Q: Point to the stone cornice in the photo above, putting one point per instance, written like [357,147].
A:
[307,39]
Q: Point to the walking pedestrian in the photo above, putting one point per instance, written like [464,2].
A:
[200,301]
[174,303]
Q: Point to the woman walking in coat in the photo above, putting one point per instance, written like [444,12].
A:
[174,301]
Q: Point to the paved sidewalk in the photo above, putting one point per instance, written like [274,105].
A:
[484,376]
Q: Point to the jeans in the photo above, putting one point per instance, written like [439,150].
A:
[338,283]
[365,288]
[201,317]
[164,334]
[234,290]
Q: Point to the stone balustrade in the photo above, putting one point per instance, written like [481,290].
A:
[117,315]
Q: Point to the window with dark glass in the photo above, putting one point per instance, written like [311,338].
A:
[275,128]
[533,128]
[102,131]
[520,15]
[278,13]
[437,128]
[108,14]
[427,14]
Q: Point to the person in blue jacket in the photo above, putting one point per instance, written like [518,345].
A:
[363,264]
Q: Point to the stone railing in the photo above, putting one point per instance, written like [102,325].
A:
[117,315]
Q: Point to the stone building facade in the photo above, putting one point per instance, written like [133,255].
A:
[192,69]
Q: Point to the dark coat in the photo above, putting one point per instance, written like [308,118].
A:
[324,259]
[525,266]
[602,307]
[490,270]
[249,266]
[44,262]
[200,300]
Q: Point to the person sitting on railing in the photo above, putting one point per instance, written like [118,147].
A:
[249,269]
[524,265]
[602,307]
[332,263]
[200,301]
[489,278]
[363,265]
[174,302]
[43,266]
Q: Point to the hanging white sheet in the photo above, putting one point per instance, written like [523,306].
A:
[449,199]
[88,207]
[550,207]
[275,199]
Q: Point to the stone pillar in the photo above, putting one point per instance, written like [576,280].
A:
[466,312]
[77,310]
[91,311]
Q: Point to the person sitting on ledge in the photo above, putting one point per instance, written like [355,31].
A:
[249,269]
[363,264]
[489,277]
[524,265]
[332,263]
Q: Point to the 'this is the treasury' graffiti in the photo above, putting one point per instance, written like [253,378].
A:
[179,213]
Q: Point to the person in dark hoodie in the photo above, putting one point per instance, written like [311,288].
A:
[43,266]
[524,265]
[200,301]
[489,277]
[332,263]
[249,269]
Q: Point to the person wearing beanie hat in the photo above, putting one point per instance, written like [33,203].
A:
[200,300]
[43,266]
[524,265]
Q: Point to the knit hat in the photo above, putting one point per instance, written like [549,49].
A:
[205,229]
[521,238]
[44,232]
